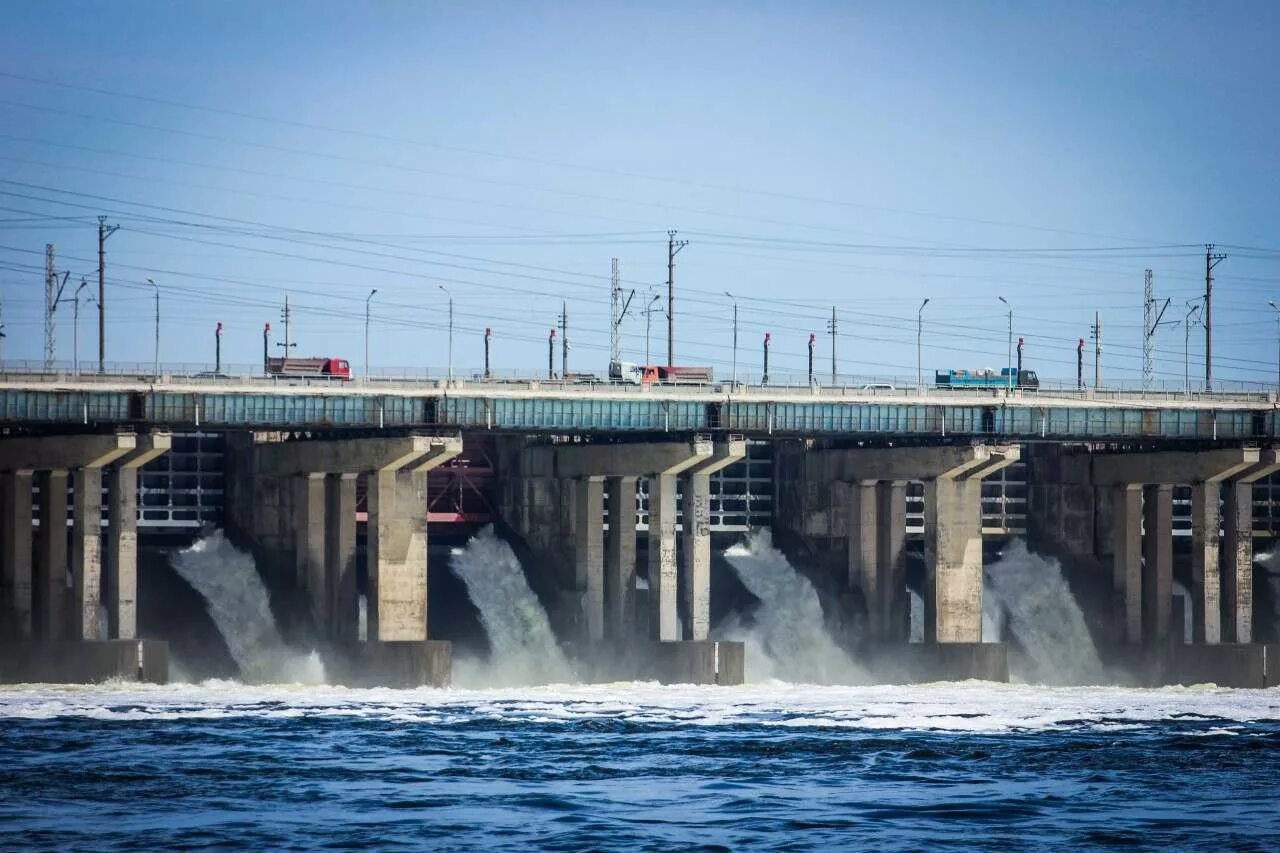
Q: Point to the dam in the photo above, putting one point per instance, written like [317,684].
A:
[620,503]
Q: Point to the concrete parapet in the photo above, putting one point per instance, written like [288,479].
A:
[84,662]
[698,662]
[914,663]
[422,663]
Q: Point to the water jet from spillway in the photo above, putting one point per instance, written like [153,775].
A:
[523,649]
[1043,618]
[241,609]
[788,639]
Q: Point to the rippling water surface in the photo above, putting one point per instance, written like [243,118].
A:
[635,766]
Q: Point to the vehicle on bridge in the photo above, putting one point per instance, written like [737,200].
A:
[630,373]
[1008,376]
[325,368]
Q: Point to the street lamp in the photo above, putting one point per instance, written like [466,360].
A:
[1009,349]
[75,330]
[648,323]
[367,300]
[157,367]
[919,346]
[450,295]
[735,337]
[1276,307]
[1187,323]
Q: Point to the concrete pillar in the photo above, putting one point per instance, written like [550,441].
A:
[15,554]
[86,554]
[891,621]
[953,559]
[696,536]
[588,540]
[122,536]
[1126,550]
[1206,598]
[1157,550]
[864,526]
[309,530]
[52,568]
[664,622]
[620,559]
[1237,580]
[397,556]
[342,598]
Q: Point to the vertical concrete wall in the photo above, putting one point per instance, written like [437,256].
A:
[1126,552]
[86,554]
[16,555]
[664,623]
[122,565]
[1206,544]
[341,597]
[953,560]
[696,538]
[310,534]
[397,554]
[1157,573]
[1237,580]
[620,559]
[52,567]
[588,543]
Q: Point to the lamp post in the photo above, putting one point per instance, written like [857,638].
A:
[367,300]
[919,344]
[157,367]
[1187,323]
[75,330]
[735,337]
[1276,308]
[450,295]
[648,323]
[1009,349]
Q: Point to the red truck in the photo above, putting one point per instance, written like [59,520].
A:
[674,375]
[328,368]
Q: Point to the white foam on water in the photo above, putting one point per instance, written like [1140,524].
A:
[1044,618]
[241,609]
[788,638]
[523,649]
[981,707]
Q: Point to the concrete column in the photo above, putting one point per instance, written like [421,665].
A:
[1157,573]
[588,553]
[620,559]
[122,536]
[1206,598]
[863,549]
[696,536]
[891,623]
[309,530]
[664,622]
[1237,580]
[397,552]
[1126,549]
[341,596]
[15,554]
[86,554]
[953,557]
[52,569]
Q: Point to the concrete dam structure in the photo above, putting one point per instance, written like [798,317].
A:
[608,496]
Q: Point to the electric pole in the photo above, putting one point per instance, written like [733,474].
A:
[52,297]
[1096,333]
[673,248]
[551,355]
[1150,322]
[1210,261]
[617,311]
[1080,365]
[813,339]
[831,329]
[286,316]
[564,340]
[104,231]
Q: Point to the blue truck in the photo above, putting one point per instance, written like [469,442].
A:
[1007,377]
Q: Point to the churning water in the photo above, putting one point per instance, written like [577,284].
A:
[523,649]
[238,602]
[788,638]
[1043,618]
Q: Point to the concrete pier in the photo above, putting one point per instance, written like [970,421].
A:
[696,536]
[64,639]
[620,560]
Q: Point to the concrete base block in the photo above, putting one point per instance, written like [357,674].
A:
[914,663]
[86,662]
[698,662]
[426,663]
[1273,665]
[1226,665]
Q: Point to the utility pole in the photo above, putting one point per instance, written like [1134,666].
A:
[831,329]
[488,336]
[266,346]
[648,323]
[1270,302]
[1080,365]
[564,340]
[1096,333]
[2,334]
[920,344]
[1189,321]
[1150,322]
[1021,345]
[450,295]
[551,355]
[735,339]
[1210,261]
[217,349]
[75,329]
[287,316]
[367,300]
[617,311]
[1008,353]
[764,380]
[813,339]
[104,231]
[156,374]
[673,249]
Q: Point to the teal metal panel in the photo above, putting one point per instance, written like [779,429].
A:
[64,406]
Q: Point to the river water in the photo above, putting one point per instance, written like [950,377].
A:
[629,766]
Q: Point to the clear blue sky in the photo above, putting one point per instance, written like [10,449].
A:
[865,156]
